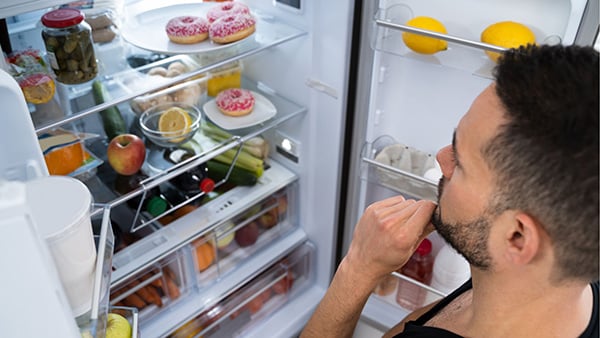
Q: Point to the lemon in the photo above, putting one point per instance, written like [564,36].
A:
[175,122]
[507,34]
[423,44]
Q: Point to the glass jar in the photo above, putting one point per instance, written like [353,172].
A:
[69,47]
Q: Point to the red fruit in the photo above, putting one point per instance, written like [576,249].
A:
[126,154]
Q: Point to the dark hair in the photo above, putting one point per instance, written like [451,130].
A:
[546,155]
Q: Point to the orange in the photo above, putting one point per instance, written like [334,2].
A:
[205,255]
[174,122]
[64,160]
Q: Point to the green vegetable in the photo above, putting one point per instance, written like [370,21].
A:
[256,146]
[112,120]
[244,161]
[217,171]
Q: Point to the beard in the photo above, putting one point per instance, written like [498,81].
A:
[467,238]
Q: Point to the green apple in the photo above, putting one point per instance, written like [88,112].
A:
[224,240]
[117,326]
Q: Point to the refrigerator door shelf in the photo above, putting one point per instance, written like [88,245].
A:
[201,299]
[197,223]
[465,50]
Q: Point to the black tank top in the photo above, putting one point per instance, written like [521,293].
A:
[416,328]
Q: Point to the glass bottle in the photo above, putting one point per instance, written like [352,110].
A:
[420,268]
[192,181]
[153,202]
[68,41]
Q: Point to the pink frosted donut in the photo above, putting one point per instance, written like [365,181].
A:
[187,29]
[232,28]
[226,8]
[235,101]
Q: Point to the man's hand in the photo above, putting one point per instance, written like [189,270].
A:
[387,234]
[384,239]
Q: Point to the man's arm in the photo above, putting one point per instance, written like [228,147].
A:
[384,238]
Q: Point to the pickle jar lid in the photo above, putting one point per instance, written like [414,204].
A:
[63,17]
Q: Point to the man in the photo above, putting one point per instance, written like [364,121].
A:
[518,198]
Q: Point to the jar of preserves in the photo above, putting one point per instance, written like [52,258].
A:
[69,46]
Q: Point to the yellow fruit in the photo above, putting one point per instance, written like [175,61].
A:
[175,122]
[423,44]
[507,34]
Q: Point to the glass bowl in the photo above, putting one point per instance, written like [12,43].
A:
[150,120]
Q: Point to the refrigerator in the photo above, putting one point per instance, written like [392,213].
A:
[343,85]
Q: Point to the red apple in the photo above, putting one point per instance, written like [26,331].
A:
[247,235]
[126,153]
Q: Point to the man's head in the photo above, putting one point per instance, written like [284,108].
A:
[526,153]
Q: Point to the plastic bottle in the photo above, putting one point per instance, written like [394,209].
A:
[153,203]
[450,270]
[419,267]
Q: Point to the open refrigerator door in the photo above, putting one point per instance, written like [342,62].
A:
[414,98]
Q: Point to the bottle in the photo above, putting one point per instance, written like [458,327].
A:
[450,270]
[193,181]
[420,268]
[153,202]
[68,41]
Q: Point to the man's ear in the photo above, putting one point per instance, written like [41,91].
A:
[524,239]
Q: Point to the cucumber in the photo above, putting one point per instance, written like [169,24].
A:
[217,171]
[112,120]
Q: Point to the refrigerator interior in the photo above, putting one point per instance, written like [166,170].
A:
[298,60]
[415,101]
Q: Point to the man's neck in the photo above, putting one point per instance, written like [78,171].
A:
[499,304]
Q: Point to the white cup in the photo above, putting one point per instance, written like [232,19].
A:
[60,208]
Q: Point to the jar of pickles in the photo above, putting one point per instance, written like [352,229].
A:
[68,41]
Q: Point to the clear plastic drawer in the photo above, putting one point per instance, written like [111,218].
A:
[257,299]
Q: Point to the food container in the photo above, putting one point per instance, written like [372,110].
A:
[170,124]
[237,239]
[68,41]
[60,207]
[153,289]
[255,300]
[228,76]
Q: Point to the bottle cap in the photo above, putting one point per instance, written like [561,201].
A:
[207,185]
[424,248]
[156,206]
[63,17]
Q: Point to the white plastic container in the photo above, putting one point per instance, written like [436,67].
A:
[450,270]
[60,207]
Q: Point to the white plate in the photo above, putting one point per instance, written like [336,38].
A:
[263,110]
[147,30]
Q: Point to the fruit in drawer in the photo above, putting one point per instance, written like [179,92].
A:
[126,153]
[507,34]
[205,254]
[423,44]
[117,326]
[247,235]
[257,302]
[269,219]
[284,284]
[224,235]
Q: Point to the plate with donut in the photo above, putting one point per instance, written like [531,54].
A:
[190,28]
[237,108]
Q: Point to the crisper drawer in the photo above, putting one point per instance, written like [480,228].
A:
[154,288]
[257,299]
[231,242]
